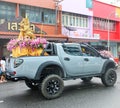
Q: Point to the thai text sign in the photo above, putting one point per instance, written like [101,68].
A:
[15,26]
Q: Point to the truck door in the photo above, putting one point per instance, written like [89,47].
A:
[92,62]
[72,60]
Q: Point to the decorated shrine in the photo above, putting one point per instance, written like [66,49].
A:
[26,44]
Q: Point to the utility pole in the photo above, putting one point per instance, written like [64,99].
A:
[57,14]
[108,26]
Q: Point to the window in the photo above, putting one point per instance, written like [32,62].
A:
[74,20]
[102,24]
[66,20]
[81,21]
[23,13]
[88,51]
[77,23]
[70,19]
[72,50]
[42,17]
[7,11]
[63,20]
[112,25]
[36,14]
[85,22]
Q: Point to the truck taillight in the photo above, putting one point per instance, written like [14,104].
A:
[14,72]
[17,62]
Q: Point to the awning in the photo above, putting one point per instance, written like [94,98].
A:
[48,37]
[54,38]
[8,35]
[52,35]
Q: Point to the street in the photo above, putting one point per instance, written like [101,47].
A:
[75,95]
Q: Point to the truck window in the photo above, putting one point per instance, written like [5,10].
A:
[50,49]
[72,50]
[87,51]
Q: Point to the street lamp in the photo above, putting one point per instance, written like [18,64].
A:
[56,13]
[108,43]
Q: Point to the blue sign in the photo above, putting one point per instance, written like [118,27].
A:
[89,3]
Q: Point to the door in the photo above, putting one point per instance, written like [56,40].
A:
[80,60]
[92,61]
[72,59]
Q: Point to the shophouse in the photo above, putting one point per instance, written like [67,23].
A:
[90,24]
[77,22]
[44,15]
[73,21]
[106,24]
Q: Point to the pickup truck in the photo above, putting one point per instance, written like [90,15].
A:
[64,61]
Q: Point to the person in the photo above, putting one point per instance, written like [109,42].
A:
[2,67]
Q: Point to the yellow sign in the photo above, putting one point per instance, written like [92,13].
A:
[118,12]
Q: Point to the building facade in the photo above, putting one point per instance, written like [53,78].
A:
[84,23]
[77,21]
[45,18]
[73,21]
[106,24]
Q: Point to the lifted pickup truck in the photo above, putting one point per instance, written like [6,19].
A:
[64,61]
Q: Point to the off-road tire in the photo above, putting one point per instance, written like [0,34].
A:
[52,86]
[87,79]
[31,85]
[109,77]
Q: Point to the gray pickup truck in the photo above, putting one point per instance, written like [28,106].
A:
[64,61]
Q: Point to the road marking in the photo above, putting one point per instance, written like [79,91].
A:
[1,101]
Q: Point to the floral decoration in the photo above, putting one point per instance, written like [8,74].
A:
[106,53]
[33,43]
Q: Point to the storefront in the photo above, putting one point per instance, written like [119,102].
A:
[77,22]
[108,32]
[42,16]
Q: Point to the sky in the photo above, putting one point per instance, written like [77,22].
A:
[113,2]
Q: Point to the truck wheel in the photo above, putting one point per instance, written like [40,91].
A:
[32,85]
[52,86]
[109,77]
[87,79]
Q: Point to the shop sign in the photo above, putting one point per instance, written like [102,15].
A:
[14,26]
[75,32]
[97,36]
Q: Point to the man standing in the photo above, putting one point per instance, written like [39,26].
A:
[2,66]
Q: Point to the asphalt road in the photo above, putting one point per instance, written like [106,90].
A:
[76,95]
